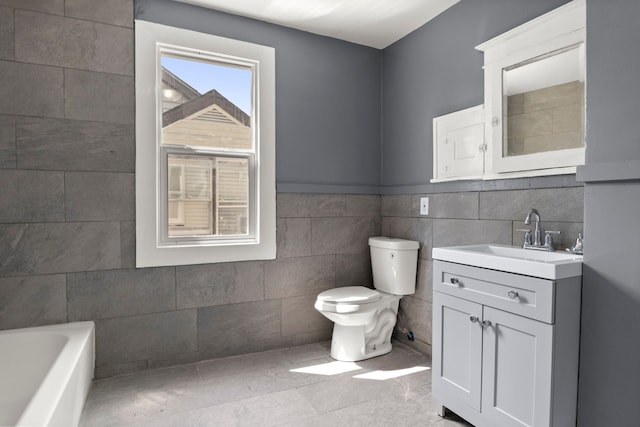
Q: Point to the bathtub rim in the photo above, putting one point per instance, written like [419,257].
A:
[42,405]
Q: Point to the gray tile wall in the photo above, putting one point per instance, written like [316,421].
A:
[467,218]
[67,211]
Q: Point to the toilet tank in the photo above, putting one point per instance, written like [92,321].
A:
[394,263]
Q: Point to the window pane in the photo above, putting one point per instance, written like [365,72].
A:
[175,181]
[233,195]
[213,197]
[205,103]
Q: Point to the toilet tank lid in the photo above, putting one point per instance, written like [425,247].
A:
[350,294]
[392,243]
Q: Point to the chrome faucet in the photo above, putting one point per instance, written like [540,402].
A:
[537,233]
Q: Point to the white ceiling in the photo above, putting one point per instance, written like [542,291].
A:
[375,23]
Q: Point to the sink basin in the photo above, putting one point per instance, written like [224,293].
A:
[512,259]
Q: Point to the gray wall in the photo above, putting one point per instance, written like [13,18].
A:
[67,217]
[610,344]
[327,99]
[436,70]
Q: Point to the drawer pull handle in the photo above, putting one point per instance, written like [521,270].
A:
[513,294]
[474,319]
[454,281]
[486,323]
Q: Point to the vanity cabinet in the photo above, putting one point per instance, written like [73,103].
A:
[505,346]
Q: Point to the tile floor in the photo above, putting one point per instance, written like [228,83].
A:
[300,386]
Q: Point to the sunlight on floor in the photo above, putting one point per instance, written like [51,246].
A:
[387,375]
[331,368]
[336,368]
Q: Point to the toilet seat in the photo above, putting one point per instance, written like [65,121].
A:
[348,299]
[350,295]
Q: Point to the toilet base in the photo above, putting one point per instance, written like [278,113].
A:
[354,343]
[349,353]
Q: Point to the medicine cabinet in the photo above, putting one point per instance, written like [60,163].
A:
[534,92]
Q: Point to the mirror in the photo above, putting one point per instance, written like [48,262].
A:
[543,103]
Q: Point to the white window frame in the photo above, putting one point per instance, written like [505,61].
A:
[152,249]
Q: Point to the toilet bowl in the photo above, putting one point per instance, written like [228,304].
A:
[364,318]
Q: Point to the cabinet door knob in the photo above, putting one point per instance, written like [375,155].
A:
[473,319]
[454,281]
[513,294]
[486,323]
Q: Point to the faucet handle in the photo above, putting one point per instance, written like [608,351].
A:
[548,240]
[527,236]
[578,248]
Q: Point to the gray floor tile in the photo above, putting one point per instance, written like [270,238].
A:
[307,352]
[295,387]
[263,410]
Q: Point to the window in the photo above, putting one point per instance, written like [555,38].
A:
[205,148]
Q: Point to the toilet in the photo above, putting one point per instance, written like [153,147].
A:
[364,318]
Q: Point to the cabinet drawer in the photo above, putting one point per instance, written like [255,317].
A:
[523,295]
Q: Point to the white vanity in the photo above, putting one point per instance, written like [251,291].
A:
[506,327]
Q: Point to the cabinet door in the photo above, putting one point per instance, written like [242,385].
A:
[458,143]
[457,349]
[516,359]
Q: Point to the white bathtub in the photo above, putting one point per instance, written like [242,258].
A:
[45,374]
